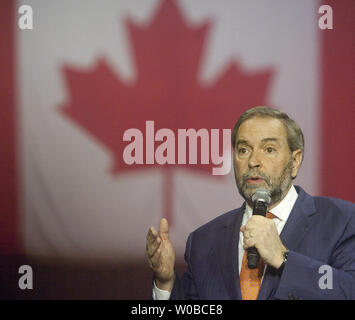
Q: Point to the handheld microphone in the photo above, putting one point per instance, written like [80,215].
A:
[261,199]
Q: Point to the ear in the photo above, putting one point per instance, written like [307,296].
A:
[297,157]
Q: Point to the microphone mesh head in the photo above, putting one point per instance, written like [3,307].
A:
[261,195]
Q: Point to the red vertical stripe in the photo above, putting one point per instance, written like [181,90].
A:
[338,103]
[168,190]
[8,205]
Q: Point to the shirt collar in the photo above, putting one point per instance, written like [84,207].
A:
[283,209]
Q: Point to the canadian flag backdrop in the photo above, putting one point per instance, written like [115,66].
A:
[90,70]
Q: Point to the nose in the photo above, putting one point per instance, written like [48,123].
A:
[254,160]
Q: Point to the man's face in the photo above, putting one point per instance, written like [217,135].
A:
[262,158]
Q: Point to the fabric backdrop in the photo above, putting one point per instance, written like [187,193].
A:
[90,70]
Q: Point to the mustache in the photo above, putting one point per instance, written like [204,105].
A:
[250,174]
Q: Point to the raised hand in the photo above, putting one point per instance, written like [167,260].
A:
[161,256]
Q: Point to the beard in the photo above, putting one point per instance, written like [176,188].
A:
[277,186]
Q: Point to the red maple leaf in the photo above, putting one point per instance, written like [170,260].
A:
[167,54]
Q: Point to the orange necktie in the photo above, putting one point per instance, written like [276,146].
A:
[250,279]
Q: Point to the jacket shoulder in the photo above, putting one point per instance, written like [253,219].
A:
[338,209]
[344,208]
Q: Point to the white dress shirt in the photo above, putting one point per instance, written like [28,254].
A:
[281,213]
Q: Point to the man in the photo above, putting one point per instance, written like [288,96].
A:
[306,244]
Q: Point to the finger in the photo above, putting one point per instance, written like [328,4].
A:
[164,229]
[250,224]
[246,232]
[256,219]
[152,235]
[155,259]
[247,243]
[153,247]
[152,242]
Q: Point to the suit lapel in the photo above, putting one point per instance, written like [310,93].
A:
[230,254]
[299,220]
[297,224]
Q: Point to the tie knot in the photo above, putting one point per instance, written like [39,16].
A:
[269,215]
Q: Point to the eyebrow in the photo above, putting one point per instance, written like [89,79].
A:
[242,141]
[270,139]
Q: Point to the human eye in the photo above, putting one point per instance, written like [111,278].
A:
[270,149]
[242,150]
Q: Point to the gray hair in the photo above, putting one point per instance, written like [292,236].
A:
[295,138]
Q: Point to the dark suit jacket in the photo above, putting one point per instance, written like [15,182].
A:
[319,231]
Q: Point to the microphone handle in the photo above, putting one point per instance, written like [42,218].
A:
[253,257]
[260,209]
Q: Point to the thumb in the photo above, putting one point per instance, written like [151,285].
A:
[164,229]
